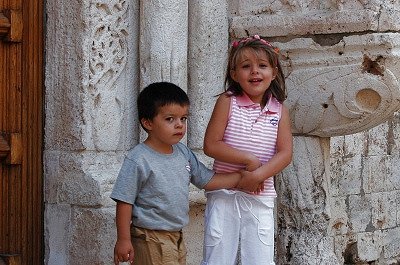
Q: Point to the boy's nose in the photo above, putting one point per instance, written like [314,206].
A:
[179,124]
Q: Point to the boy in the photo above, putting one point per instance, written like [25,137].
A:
[152,188]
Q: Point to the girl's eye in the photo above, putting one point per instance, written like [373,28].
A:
[170,119]
[184,119]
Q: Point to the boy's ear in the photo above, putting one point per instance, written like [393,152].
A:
[146,123]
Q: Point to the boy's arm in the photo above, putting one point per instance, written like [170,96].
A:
[215,147]
[223,181]
[123,250]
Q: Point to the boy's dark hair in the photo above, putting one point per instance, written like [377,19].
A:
[157,95]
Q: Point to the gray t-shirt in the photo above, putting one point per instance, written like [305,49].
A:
[157,185]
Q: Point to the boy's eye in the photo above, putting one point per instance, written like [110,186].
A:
[170,119]
[183,119]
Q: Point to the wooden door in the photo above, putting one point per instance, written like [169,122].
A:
[21,122]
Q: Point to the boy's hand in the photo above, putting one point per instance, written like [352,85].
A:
[123,251]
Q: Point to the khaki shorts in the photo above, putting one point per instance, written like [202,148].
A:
[158,247]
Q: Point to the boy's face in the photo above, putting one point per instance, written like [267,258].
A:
[167,128]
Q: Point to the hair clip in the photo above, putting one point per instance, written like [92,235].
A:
[235,44]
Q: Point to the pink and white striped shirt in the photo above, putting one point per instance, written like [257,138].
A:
[252,129]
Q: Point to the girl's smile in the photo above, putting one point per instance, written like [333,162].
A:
[254,74]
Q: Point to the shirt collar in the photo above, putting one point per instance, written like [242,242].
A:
[272,106]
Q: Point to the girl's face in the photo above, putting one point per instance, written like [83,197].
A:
[254,73]
[167,128]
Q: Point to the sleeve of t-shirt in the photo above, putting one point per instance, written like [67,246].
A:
[200,174]
[127,184]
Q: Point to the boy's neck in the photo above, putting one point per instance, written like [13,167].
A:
[160,148]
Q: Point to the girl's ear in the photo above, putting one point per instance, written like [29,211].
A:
[233,75]
[275,72]
[146,123]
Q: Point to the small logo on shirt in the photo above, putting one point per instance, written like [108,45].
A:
[274,121]
[187,168]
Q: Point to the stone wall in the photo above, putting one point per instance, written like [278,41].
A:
[341,63]
[365,192]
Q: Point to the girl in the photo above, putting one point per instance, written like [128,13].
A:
[249,130]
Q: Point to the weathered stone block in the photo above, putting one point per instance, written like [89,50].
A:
[354,144]
[57,233]
[193,234]
[359,212]
[384,212]
[369,246]
[398,207]
[84,179]
[346,176]
[92,236]
[395,141]
[345,248]
[339,216]
[391,244]
[337,148]
[283,18]
[378,140]
[375,174]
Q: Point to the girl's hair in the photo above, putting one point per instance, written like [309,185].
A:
[258,45]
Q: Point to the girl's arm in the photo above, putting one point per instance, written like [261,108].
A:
[282,158]
[213,139]
[123,250]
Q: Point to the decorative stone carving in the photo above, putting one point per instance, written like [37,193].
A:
[108,58]
[329,96]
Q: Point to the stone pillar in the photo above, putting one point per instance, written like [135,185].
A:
[163,39]
[304,206]
[208,46]
[208,42]
[163,42]
[90,122]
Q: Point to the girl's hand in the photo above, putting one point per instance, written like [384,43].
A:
[250,182]
[253,163]
[123,251]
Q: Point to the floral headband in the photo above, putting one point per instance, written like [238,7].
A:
[235,44]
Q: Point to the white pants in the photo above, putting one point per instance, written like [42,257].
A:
[234,215]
